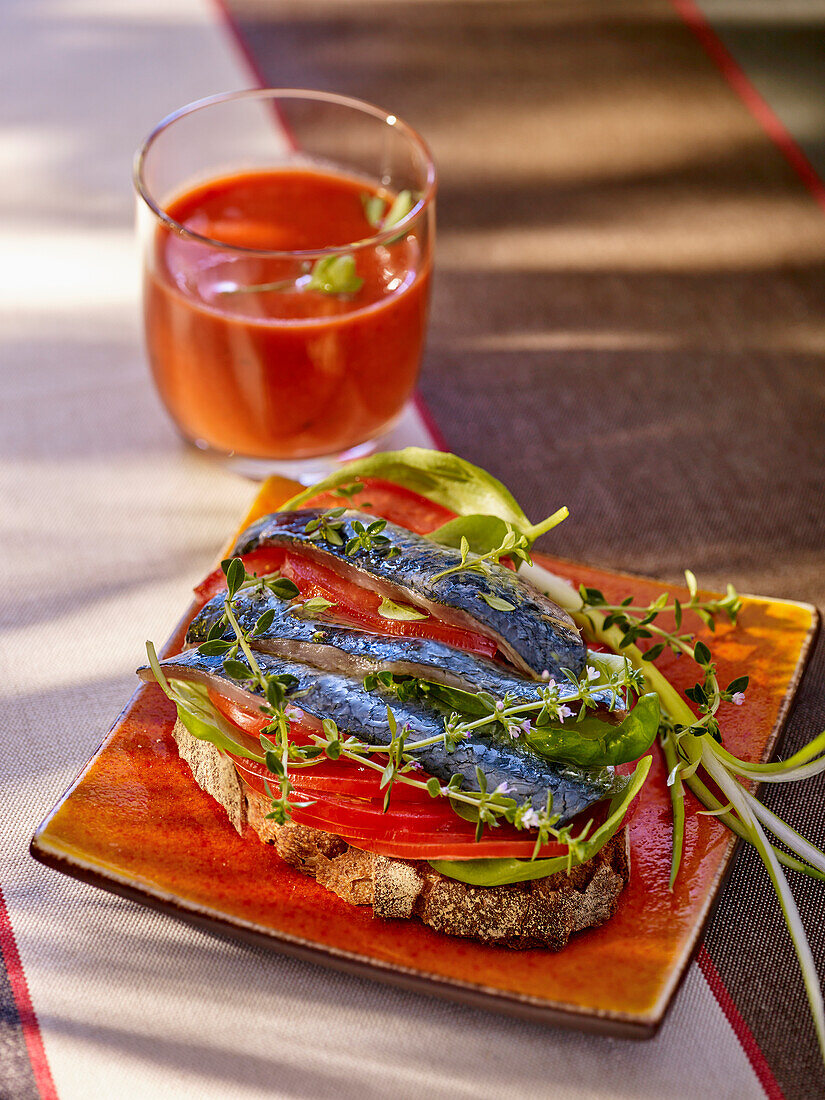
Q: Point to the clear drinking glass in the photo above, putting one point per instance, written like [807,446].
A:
[287,240]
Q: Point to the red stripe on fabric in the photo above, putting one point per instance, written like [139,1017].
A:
[25,1010]
[758,107]
[743,1033]
[429,423]
[228,20]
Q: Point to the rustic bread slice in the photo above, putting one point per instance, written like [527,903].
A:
[541,913]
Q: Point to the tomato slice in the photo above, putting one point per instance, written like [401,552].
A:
[361,606]
[265,560]
[415,826]
[439,846]
[391,502]
[247,720]
[353,603]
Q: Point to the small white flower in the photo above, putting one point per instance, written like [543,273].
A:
[592,673]
[503,788]
[546,674]
[738,698]
[565,712]
[530,820]
[499,705]
[513,731]
[527,726]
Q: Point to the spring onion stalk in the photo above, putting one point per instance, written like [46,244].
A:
[748,815]
[782,767]
[728,785]
[723,813]
[548,524]
[677,801]
[784,832]
[753,771]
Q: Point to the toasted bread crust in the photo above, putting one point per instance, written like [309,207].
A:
[540,913]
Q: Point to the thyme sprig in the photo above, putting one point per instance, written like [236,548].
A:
[488,808]
[554,701]
[513,545]
[370,539]
[347,492]
[328,526]
[634,623]
[274,687]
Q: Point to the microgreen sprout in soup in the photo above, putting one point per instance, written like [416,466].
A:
[508,719]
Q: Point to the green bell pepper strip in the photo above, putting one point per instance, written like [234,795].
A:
[593,743]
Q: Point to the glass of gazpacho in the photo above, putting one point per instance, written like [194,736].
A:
[287,241]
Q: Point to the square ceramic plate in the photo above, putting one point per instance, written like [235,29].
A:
[136,823]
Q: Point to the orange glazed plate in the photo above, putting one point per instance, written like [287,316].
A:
[136,823]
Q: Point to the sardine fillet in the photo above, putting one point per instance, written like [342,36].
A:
[542,913]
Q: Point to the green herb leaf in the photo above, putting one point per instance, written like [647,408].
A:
[335,275]
[481,533]
[235,576]
[264,622]
[283,588]
[216,648]
[349,491]
[496,602]
[274,762]
[401,612]
[236,670]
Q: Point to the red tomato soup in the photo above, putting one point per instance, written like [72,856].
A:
[291,372]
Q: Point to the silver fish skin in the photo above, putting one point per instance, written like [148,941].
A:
[353,652]
[361,713]
[535,635]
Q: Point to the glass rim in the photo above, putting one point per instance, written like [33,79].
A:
[386,235]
